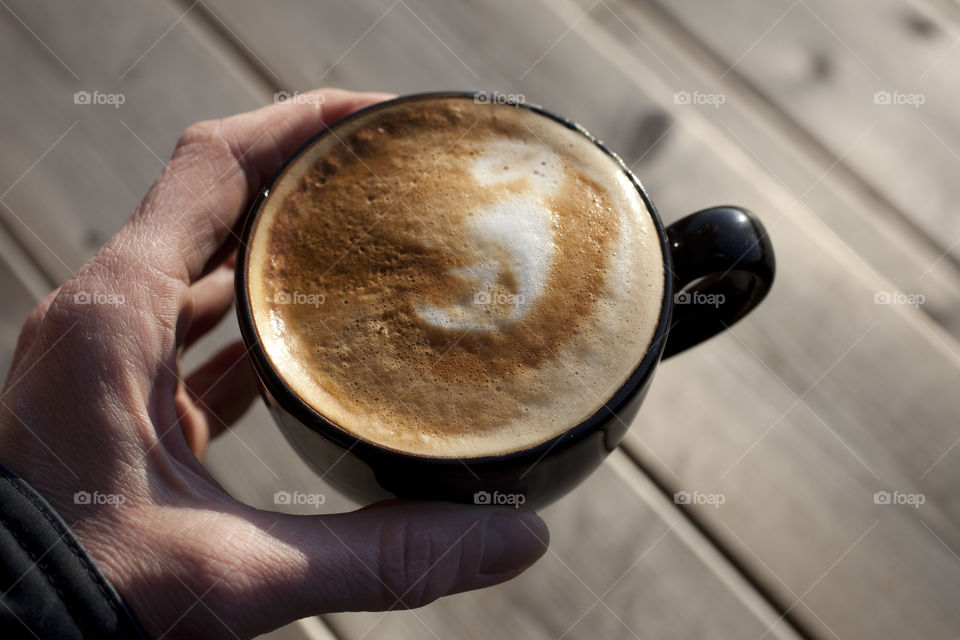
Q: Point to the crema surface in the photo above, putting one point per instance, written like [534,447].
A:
[455,279]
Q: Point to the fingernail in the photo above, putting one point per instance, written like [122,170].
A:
[513,541]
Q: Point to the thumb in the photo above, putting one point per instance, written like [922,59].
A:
[395,555]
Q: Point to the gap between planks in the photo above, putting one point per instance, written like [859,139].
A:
[703,546]
[210,28]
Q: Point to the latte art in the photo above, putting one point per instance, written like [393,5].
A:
[519,229]
[489,276]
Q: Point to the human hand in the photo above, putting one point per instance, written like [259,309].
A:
[94,402]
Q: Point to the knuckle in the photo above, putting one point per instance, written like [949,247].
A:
[69,308]
[415,567]
[211,140]
[199,133]
[215,141]
[80,329]
[95,298]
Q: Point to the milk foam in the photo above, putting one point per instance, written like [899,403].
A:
[522,229]
[508,291]
[508,160]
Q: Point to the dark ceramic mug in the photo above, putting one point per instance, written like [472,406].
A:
[721,254]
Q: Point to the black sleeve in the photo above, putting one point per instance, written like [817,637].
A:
[49,586]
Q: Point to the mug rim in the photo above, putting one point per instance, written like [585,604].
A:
[291,402]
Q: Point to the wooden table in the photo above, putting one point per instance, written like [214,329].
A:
[836,122]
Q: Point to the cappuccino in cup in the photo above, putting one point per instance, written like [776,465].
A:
[454,280]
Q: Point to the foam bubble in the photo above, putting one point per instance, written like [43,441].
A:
[505,161]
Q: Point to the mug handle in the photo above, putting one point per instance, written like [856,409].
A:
[723,266]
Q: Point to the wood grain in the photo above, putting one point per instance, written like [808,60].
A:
[804,471]
[882,235]
[873,83]
[72,173]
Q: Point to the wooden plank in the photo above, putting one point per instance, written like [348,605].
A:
[798,475]
[880,234]
[822,64]
[71,173]
[306,629]
[786,465]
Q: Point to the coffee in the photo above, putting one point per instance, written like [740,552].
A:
[454,279]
